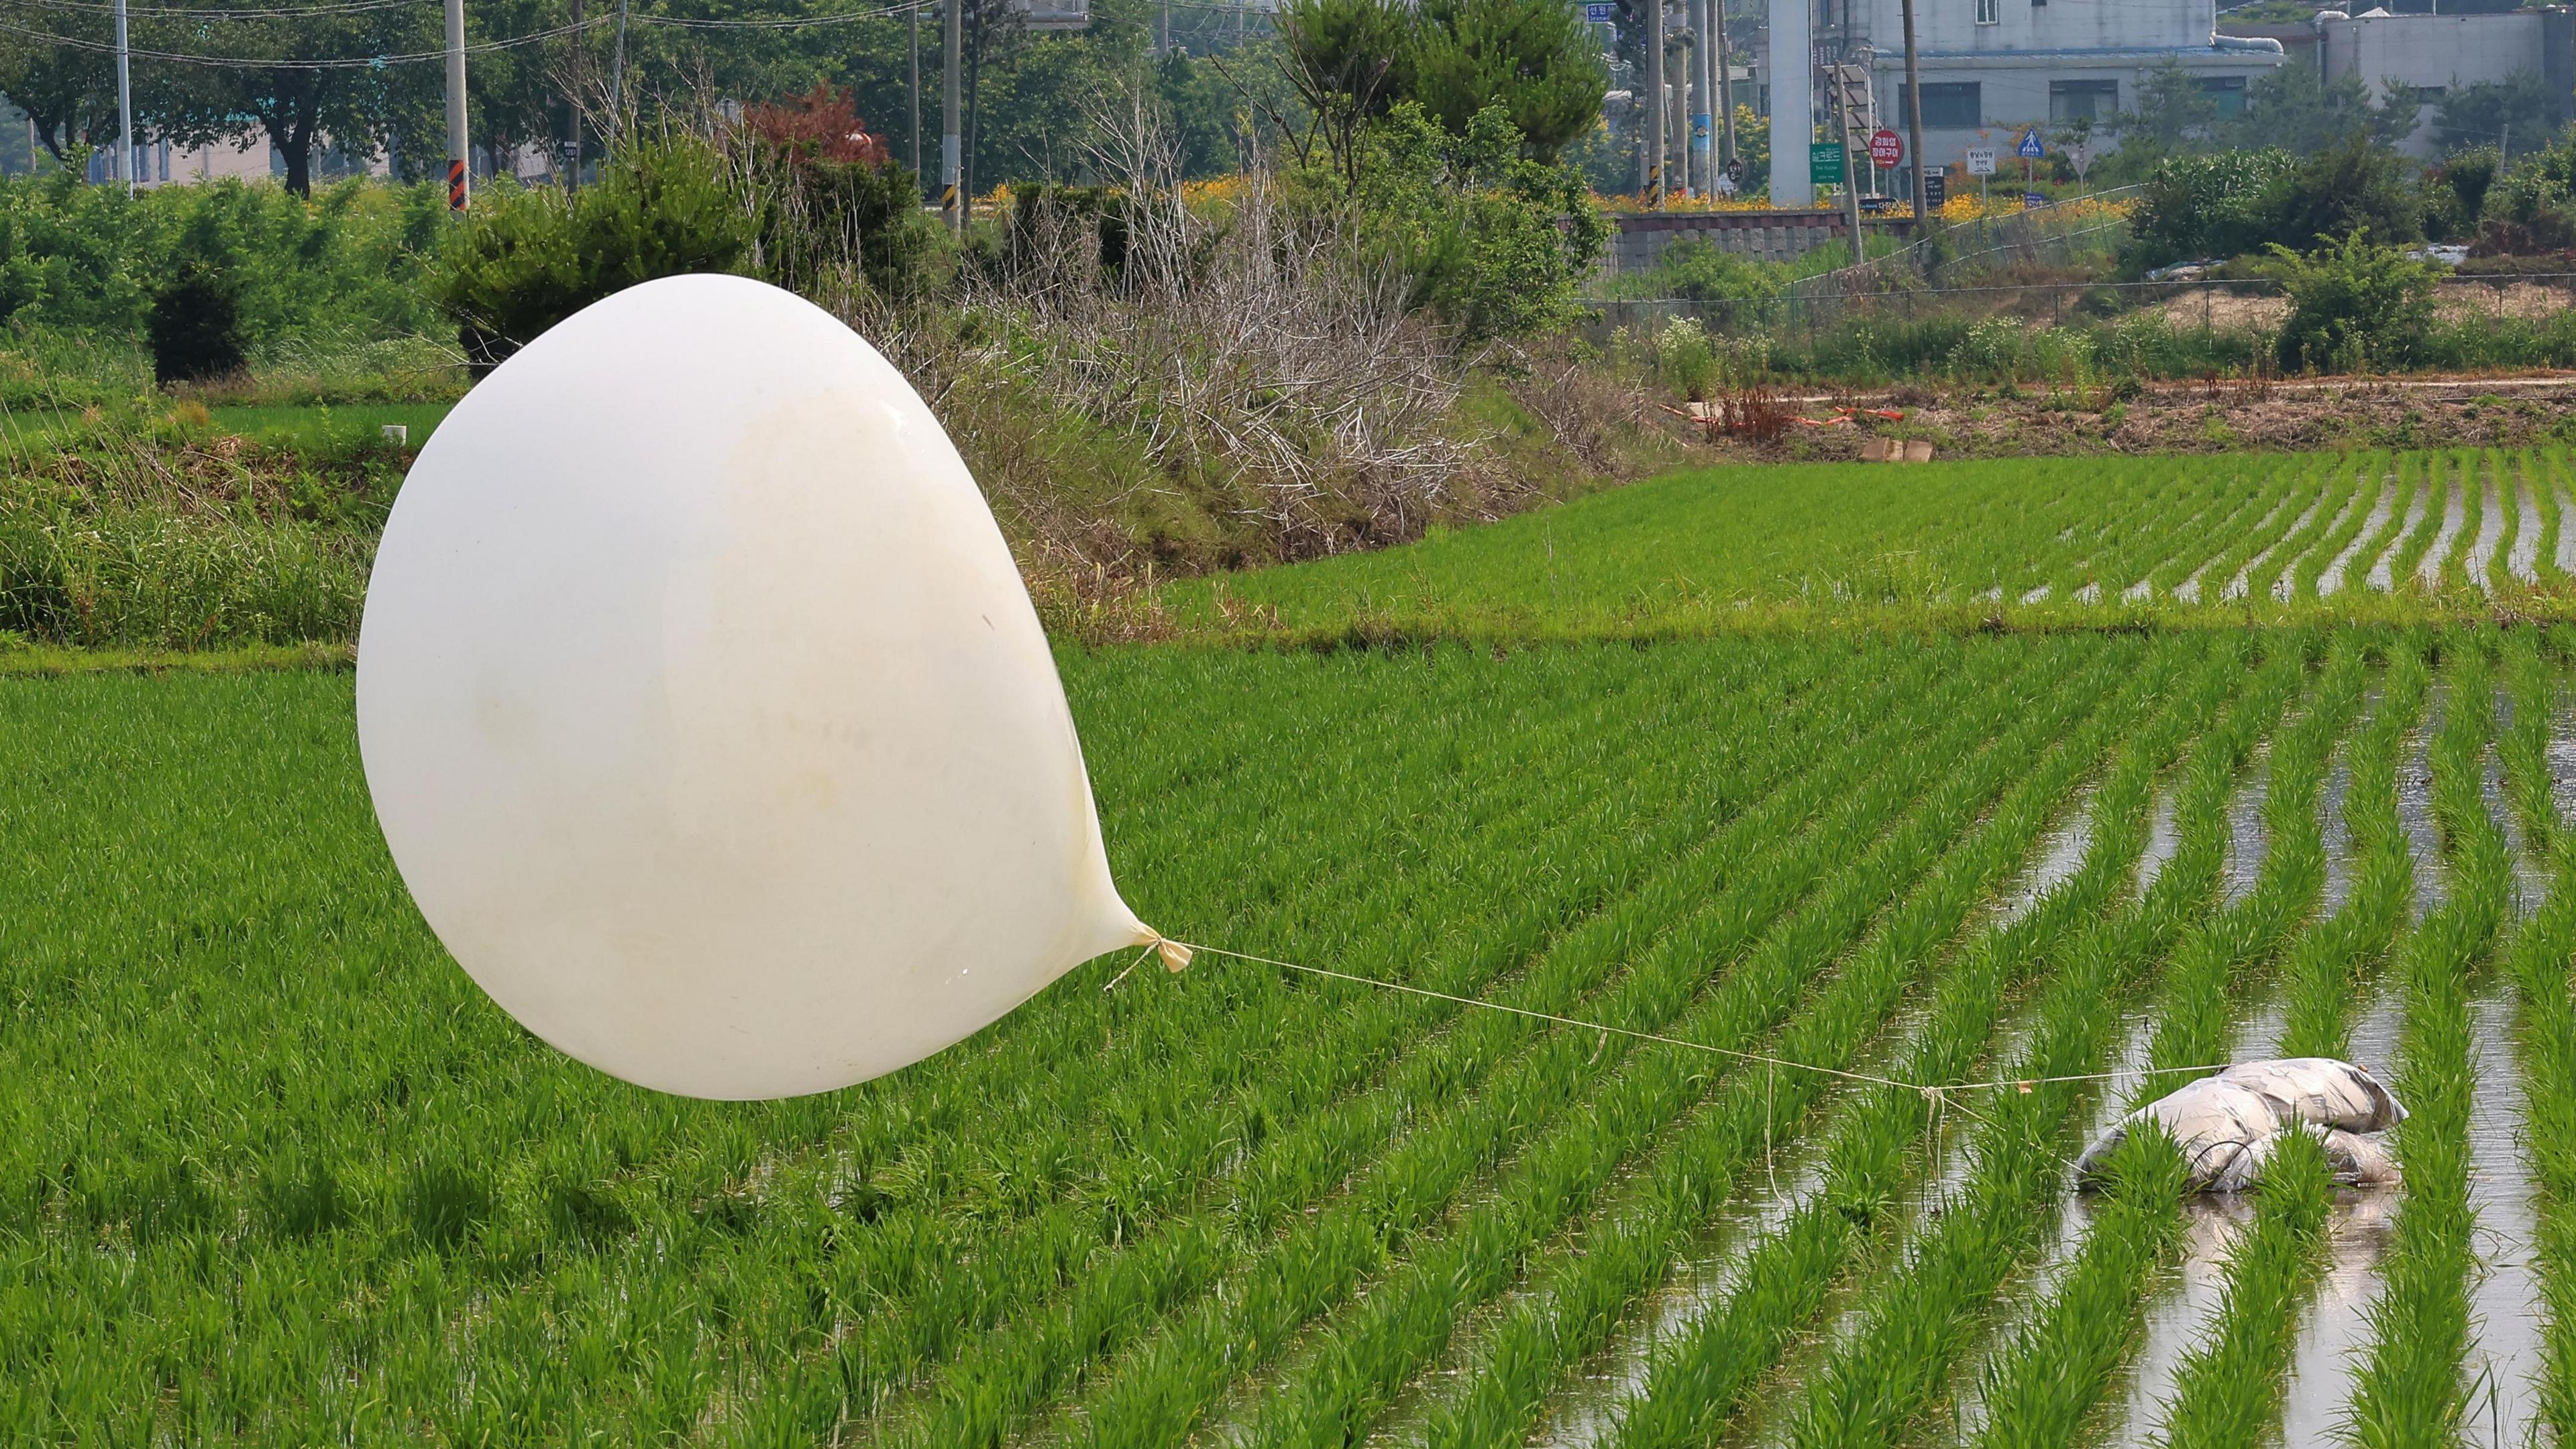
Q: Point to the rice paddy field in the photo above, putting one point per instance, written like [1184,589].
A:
[2074,542]
[273,1171]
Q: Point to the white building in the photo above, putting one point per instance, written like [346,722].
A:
[2429,55]
[1992,68]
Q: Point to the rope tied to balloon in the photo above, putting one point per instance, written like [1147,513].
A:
[1176,955]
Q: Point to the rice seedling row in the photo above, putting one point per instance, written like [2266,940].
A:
[2411,1391]
[1646,1000]
[1399,1327]
[1573,966]
[1696,1378]
[1922,1316]
[1588,1283]
[2541,966]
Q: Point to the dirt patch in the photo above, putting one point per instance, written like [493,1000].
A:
[2209,417]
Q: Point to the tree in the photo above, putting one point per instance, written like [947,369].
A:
[2172,110]
[2354,306]
[1340,57]
[1536,59]
[2494,113]
[69,92]
[309,80]
[1495,243]
[2196,207]
[2350,188]
[2294,109]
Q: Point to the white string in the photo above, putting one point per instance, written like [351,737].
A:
[1933,1093]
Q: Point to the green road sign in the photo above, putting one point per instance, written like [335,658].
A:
[1824,164]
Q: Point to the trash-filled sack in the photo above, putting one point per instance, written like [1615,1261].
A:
[2322,1090]
[2227,1125]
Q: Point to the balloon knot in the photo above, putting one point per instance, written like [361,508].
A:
[1174,954]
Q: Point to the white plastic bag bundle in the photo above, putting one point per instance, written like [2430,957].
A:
[2222,1130]
[2227,1126]
[2322,1090]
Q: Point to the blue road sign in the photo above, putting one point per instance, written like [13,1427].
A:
[2032,201]
[2030,149]
[1600,14]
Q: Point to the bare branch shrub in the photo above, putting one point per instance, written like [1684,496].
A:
[1261,354]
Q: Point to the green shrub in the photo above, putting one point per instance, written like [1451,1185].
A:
[1495,243]
[196,327]
[530,258]
[88,261]
[1698,271]
[2203,206]
[2355,306]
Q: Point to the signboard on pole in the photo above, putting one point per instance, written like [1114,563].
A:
[1824,164]
[1981,161]
[1600,14]
[2030,149]
[1886,148]
[1936,188]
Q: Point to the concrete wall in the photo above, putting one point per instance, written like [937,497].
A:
[2437,52]
[1770,236]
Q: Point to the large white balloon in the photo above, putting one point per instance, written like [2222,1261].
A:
[706,715]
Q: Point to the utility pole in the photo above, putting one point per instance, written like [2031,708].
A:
[1712,14]
[914,72]
[457,184]
[1655,127]
[952,151]
[1793,116]
[124,105]
[1914,123]
[1725,87]
[617,73]
[572,128]
[1851,165]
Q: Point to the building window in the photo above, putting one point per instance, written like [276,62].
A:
[2227,92]
[1949,105]
[1989,12]
[2083,100]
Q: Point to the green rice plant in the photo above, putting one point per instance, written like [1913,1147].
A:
[1597,1279]
[2411,1390]
[2540,965]
[2400,473]
[2436,488]
[1878,1381]
[2459,565]
[1401,1323]
[2368,471]
[1288,1158]
[1722,926]
[1742,998]
[1580,965]
[2047,1381]
[2331,966]
[1697,1379]
[2227,1391]
[2547,470]
[631,1192]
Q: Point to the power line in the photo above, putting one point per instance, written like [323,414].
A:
[481,47]
[248,63]
[342,7]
